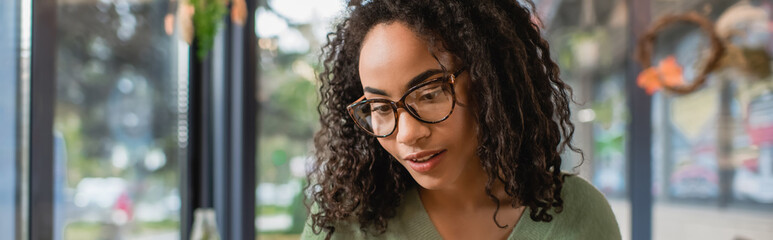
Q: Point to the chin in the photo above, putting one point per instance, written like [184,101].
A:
[428,182]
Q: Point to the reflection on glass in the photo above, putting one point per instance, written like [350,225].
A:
[290,35]
[713,164]
[9,78]
[117,116]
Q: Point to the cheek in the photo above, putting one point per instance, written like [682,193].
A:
[464,125]
[467,111]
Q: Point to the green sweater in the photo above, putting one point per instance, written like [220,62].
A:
[586,215]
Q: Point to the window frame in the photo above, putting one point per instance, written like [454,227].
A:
[639,142]
[42,95]
[224,131]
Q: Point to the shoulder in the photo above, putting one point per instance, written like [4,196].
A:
[586,211]
[408,223]
[348,229]
[345,230]
[579,190]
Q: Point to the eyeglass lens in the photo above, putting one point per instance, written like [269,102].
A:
[430,103]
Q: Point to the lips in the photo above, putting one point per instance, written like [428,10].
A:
[424,161]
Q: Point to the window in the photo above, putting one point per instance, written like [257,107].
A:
[586,45]
[120,100]
[290,34]
[712,157]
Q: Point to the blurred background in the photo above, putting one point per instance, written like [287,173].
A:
[119,118]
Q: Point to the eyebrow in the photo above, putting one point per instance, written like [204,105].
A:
[415,81]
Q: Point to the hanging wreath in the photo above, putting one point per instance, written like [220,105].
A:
[668,74]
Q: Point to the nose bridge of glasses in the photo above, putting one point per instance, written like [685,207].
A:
[408,108]
[408,127]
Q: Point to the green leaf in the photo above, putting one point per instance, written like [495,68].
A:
[206,20]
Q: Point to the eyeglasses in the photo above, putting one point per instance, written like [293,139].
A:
[429,102]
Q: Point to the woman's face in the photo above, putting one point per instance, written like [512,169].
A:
[440,155]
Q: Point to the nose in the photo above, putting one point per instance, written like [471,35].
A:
[409,129]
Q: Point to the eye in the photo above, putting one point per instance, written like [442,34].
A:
[380,108]
[431,94]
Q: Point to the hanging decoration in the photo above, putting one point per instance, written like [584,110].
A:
[668,73]
[206,20]
[207,16]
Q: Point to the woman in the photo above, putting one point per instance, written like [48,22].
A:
[446,119]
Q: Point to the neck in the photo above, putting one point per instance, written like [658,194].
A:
[468,193]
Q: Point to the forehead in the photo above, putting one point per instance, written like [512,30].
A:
[392,54]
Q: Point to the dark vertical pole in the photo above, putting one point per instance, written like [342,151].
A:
[243,55]
[249,122]
[198,172]
[640,130]
[189,168]
[234,169]
[204,128]
[42,103]
[222,122]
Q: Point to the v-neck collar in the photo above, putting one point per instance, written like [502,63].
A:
[419,226]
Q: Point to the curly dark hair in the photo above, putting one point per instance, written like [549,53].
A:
[521,107]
